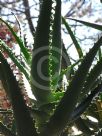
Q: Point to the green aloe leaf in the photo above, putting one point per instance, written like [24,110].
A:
[68,102]
[40,60]
[19,41]
[76,44]
[85,103]
[56,50]
[14,59]
[65,57]
[92,77]
[67,70]
[93,25]
[66,61]
[24,122]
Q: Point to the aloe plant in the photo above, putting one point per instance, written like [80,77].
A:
[53,110]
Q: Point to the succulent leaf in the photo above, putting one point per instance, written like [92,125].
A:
[77,46]
[14,59]
[56,47]
[67,104]
[85,103]
[24,122]
[92,77]
[93,25]
[19,41]
[67,70]
[40,60]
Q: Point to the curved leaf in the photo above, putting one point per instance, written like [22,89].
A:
[14,59]
[40,70]
[66,106]
[76,44]
[92,77]
[56,50]
[19,41]
[67,70]
[66,61]
[85,103]
[24,122]
[93,25]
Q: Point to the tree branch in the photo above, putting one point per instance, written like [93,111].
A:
[28,16]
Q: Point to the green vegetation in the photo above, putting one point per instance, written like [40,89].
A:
[55,109]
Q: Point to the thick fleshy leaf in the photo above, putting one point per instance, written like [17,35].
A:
[14,59]
[56,47]
[19,41]
[76,44]
[40,59]
[67,70]
[66,61]
[24,122]
[85,103]
[68,102]
[92,77]
[93,25]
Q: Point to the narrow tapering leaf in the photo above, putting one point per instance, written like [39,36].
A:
[65,57]
[56,50]
[76,44]
[14,59]
[19,41]
[93,25]
[68,102]
[40,59]
[85,103]
[66,61]
[24,122]
[92,77]
[67,70]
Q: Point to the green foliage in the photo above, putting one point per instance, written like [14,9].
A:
[14,59]
[91,78]
[93,25]
[55,108]
[69,100]
[77,46]
[56,44]
[84,104]
[41,51]
[19,41]
[21,113]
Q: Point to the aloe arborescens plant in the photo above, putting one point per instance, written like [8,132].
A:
[53,110]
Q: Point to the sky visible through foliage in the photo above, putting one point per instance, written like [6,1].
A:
[86,36]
